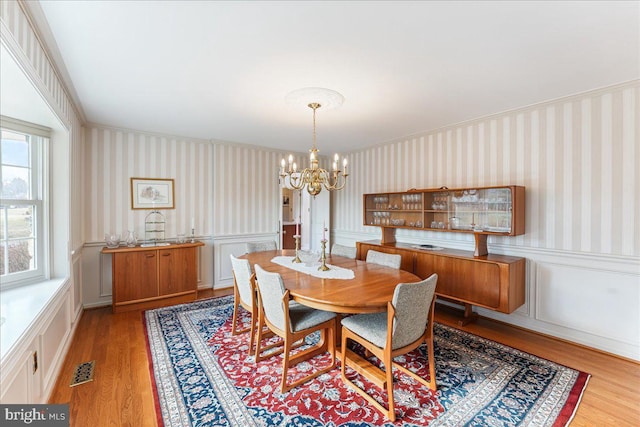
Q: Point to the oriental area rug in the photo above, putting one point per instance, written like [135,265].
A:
[203,376]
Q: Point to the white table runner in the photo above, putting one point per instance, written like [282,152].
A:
[334,272]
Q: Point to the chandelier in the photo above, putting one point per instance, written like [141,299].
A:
[314,177]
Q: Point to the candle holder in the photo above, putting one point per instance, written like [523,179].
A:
[193,235]
[297,258]
[323,266]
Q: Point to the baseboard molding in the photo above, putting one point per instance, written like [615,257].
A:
[94,305]
[55,373]
[592,341]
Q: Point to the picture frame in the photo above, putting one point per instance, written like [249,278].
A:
[152,193]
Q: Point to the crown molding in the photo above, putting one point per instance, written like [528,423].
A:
[40,26]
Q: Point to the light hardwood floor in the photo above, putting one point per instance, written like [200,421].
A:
[121,393]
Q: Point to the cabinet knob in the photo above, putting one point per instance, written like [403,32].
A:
[166,254]
[150,255]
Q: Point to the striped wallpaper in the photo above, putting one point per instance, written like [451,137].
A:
[578,157]
[16,22]
[247,195]
[20,37]
[229,189]
[113,156]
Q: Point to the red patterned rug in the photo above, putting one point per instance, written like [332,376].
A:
[202,376]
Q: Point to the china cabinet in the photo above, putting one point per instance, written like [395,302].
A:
[146,277]
[483,211]
[496,282]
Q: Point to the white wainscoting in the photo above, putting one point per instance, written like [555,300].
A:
[593,300]
[46,338]
[76,281]
[236,245]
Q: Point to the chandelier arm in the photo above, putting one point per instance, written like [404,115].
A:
[314,177]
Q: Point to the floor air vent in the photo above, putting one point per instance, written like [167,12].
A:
[83,373]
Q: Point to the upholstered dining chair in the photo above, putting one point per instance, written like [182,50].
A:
[345,251]
[244,295]
[268,245]
[407,323]
[292,321]
[381,258]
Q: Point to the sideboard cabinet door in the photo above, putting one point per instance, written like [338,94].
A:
[176,270]
[471,281]
[135,276]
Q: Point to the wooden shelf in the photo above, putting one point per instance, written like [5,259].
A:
[483,211]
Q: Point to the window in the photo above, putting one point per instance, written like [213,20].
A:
[22,207]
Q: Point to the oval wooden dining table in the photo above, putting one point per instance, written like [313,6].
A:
[368,292]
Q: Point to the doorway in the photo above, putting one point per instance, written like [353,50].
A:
[306,215]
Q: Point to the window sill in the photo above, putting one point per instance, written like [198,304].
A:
[20,307]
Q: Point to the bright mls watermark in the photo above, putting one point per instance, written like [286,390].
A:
[34,415]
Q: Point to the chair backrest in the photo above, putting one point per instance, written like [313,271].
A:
[242,274]
[345,251]
[412,302]
[388,260]
[272,290]
[268,245]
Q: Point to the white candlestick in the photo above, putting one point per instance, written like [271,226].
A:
[297,228]
[324,229]
[193,223]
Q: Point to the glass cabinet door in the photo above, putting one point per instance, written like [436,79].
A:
[482,210]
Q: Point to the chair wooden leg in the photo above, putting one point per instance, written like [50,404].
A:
[285,366]
[346,334]
[235,316]
[343,356]
[432,369]
[328,332]
[432,366]
[388,364]
[258,351]
[332,343]
[252,333]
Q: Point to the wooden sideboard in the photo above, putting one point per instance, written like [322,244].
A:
[496,282]
[157,276]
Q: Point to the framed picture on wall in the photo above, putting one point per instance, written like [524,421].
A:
[152,193]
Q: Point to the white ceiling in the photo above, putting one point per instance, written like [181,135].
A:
[221,70]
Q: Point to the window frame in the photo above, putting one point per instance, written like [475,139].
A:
[39,140]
